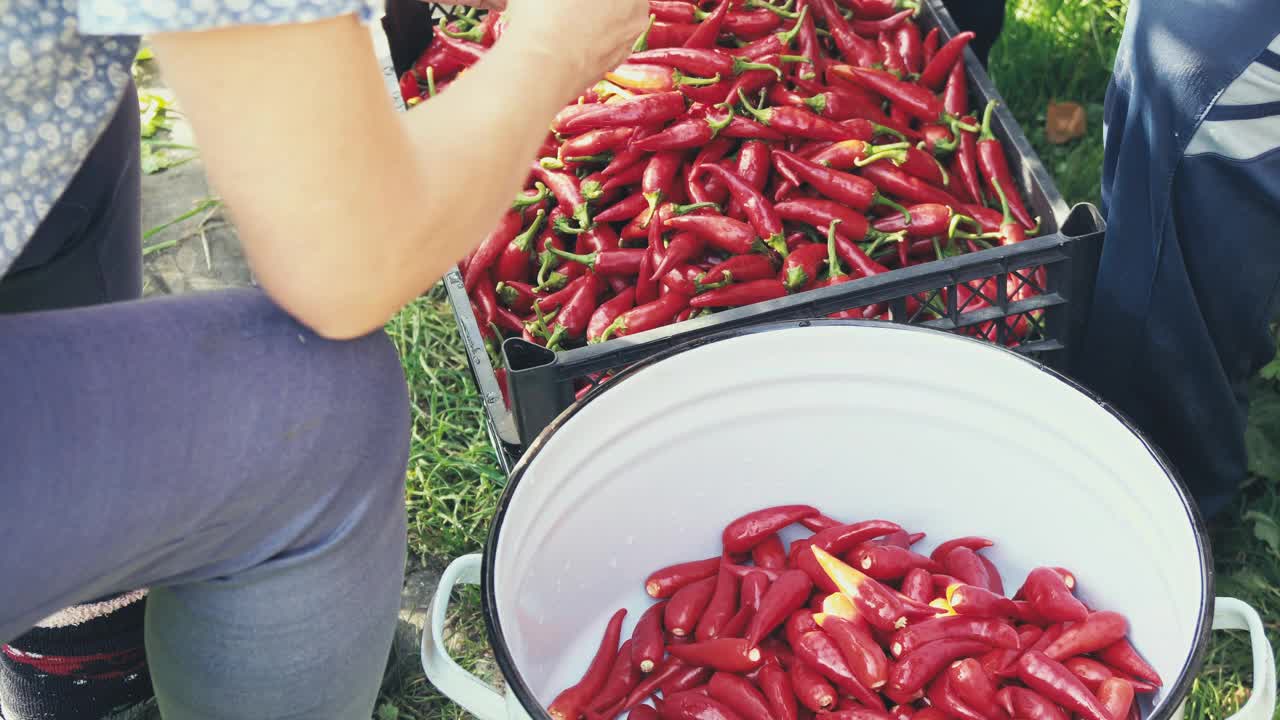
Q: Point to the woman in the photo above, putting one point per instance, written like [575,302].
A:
[241,454]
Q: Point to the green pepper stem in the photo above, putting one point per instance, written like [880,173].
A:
[618,324]
[679,79]
[897,153]
[642,42]
[550,163]
[431,81]
[879,129]
[1004,202]
[523,201]
[524,240]
[718,125]
[817,103]
[588,159]
[937,249]
[588,260]
[946,177]
[789,36]
[880,199]
[761,114]
[779,11]
[778,244]
[473,34]
[592,191]
[987,114]
[795,59]
[833,260]
[740,66]
[686,209]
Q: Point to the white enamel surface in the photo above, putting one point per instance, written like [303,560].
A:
[940,434]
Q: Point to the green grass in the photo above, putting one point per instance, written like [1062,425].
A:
[1051,50]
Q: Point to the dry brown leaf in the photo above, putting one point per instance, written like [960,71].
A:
[1065,122]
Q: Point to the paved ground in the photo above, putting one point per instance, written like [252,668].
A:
[208,256]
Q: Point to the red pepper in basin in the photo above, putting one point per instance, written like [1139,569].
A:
[571,703]
[724,654]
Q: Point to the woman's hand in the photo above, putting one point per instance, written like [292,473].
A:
[591,37]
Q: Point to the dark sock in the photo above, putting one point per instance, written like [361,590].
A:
[85,663]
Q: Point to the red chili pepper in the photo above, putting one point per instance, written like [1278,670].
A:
[514,262]
[741,571]
[818,651]
[975,688]
[947,57]
[938,140]
[688,133]
[752,24]
[623,677]
[651,684]
[569,193]
[660,176]
[687,605]
[855,713]
[571,703]
[944,697]
[694,705]
[909,98]
[886,562]
[1055,682]
[754,163]
[994,165]
[682,248]
[879,605]
[650,316]
[1116,697]
[740,696]
[724,654]
[778,690]
[800,271]
[852,46]
[698,61]
[739,295]
[643,712]
[977,601]
[769,552]
[843,538]
[1092,673]
[800,623]
[928,713]
[516,296]
[916,668]
[759,211]
[722,606]
[890,179]
[666,34]
[784,596]
[893,60]
[1098,631]
[856,192]
[464,51]
[751,529]
[743,129]
[664,583]
[928,220]
[409,89]
[811,688]
[687,280]
[908,41]
[798,122]
[918,585]
[624,210]
[675,11]
[621,261]
[866,659]
[762,46]
[995,583]
[1051,598]
[955,98]
[931,42]
[704,35]
[653,109]
[726,234]
[655,78]
[991,632]
[742,268]
[571,321]
[967,166]
[594,143]
[925,166]
[491,249]
[647,645]
[810,44]
[893,22]
[1023,703]
[1123,657]
[966,566]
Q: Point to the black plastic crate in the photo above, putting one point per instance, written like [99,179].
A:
[541,384]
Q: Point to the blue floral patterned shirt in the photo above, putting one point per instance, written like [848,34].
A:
[64,65]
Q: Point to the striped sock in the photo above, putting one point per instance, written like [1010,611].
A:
[84,663]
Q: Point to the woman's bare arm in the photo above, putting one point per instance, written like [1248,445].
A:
[347,209]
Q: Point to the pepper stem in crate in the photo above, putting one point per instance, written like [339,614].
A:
[790,36]
[642,42]
[880,199]
[523,200]
[897,153]
[781,11]
[580,216]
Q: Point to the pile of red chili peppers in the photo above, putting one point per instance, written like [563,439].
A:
[744,152]
[770,632]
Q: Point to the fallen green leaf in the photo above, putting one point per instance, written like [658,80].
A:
[157,157]
[152,111]
[144,54]
[387,711]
